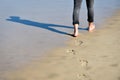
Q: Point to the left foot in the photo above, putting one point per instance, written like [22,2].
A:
[76,30]
[91,27]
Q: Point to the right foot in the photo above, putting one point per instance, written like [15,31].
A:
[91,27]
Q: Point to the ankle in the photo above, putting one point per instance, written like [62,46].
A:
[91,23]
[76,25]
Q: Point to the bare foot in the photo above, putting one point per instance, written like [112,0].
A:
[75,30]
[91,27]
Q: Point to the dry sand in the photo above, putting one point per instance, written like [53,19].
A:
[91,56]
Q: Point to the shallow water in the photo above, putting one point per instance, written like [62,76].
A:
[30,28]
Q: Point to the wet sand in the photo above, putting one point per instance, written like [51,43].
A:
[91,56]
[30,30]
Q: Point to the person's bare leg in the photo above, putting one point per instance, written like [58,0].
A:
[76,30]
[91,26]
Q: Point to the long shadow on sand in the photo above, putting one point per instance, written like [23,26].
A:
[41,25]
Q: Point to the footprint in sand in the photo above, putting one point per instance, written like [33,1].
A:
[83,77]
[83,63]
[78,42]
[71,51]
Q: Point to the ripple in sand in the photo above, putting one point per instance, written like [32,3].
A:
[53,75]
[114,65]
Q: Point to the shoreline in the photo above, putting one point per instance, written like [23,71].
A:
[92,56]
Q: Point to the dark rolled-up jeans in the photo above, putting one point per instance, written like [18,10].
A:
[76,10]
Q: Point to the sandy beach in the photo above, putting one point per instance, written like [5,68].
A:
[29,29]
[35,41]
[91,56]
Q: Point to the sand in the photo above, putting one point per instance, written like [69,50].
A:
[91,56]
[30,28]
